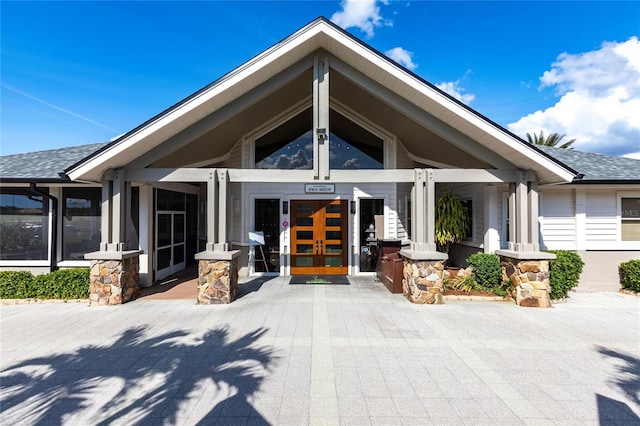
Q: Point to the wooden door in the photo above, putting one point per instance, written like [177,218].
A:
[319,237]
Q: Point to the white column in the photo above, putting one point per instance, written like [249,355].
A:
[105,218]
[512,216]
[534,213]
[522,213]
[146,235]
[430,208]
[223,207]
[419,209]
[321,117]
[118,210]
[491,219]
[212,209]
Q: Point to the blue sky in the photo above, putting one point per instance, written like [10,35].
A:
[82,72]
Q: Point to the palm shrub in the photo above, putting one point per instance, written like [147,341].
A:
[452,225]
[630,275]
[564,272]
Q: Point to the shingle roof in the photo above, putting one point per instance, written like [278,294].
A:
[597,167]
[43,166]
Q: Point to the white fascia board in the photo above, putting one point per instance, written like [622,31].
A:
[226,83]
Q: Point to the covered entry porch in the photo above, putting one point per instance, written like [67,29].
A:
[221,256]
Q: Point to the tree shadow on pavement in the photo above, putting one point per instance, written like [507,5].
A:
[143,380]
[627,381]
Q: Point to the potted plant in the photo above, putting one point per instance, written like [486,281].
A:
[452,222]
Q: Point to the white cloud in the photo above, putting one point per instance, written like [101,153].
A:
[56,107]
[362,14]
[454,89]
[634,155]
[599,99]
[401,56]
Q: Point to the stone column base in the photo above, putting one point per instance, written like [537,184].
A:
[422,281]
[217,277]
[114,279]
[529,279]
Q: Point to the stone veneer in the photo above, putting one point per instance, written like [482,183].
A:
[217,281]
[530,281]
[113,282]
[422,281]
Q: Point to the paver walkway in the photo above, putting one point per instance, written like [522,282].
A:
[296,354]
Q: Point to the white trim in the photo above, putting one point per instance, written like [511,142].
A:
[24,263]
[74,264]
[580,213]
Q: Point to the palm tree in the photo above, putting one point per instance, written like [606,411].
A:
[552,140]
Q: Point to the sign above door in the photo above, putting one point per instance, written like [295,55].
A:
[315,188]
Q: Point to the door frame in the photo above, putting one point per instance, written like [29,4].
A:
[319,235]
[173,267]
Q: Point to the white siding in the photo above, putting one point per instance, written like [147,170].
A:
[235,222]
[557,220]
[403,191]
[475,193]
[601,220]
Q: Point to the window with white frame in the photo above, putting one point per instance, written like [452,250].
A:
[630,218]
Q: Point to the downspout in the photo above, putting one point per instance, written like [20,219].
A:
[53,249]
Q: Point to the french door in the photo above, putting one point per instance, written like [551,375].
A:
[170,243]
[319,237]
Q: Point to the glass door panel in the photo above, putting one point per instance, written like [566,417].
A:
[267,220]
[170,251]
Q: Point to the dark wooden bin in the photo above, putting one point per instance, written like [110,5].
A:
[390,265]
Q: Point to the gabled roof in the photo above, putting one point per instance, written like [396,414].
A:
[44,166]
[597,168]
[321,34]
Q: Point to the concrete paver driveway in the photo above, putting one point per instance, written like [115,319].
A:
[322,354]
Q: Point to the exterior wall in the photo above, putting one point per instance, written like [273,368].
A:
[601,220]
[583,218]
[557,220]
[600,271]
[295,191]
[236,205]
[403,191]
[458,253]
[475,193]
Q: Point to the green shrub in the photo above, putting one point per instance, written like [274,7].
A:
[630,275]
[564,272]
[15,284]
[486,269]
[487,272]
[62,284]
